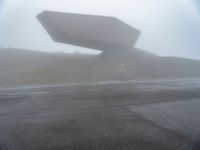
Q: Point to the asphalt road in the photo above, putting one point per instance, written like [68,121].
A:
[156,115]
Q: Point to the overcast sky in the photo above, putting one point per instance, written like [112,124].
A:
[169,27]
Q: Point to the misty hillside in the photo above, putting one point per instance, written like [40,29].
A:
[30,67]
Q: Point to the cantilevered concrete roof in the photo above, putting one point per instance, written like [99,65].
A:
[90,31]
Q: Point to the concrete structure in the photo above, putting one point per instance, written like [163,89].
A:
[95,32]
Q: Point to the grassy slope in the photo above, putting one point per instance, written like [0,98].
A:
[30,67]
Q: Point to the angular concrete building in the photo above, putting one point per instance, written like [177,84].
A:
[95,32]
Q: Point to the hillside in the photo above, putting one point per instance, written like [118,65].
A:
[19,66]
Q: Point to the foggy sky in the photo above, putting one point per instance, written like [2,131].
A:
[169,27]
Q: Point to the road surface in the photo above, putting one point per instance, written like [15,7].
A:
[156,115]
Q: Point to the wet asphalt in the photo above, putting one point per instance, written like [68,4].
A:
[155,115]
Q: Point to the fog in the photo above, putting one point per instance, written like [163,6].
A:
[133,94]
[169,27]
